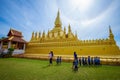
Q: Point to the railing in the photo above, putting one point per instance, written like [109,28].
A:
[16,51]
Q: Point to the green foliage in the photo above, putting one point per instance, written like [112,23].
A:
[27,69]
[10,51]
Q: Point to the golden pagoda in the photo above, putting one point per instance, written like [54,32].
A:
[62,43]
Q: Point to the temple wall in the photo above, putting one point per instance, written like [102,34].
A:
[68,50]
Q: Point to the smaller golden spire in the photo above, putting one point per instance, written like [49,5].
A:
[111,36]
[33,35]
[64,30]
[43,35]
[39,35]
[36,35]
[110,31]
[48,34]
[69,29]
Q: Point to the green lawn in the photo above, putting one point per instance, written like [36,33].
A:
[27,69]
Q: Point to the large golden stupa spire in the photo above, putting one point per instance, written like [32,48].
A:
[57,20]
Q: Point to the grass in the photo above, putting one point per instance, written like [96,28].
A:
[27,69]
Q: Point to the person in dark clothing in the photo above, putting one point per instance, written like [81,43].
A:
[60,59]
[75,55]
[57,60]
[95,60]
[98,60]
[88,60]
[92,61]
[80,61]
[83,62]
[75,64]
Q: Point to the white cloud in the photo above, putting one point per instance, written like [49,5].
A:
[103,16]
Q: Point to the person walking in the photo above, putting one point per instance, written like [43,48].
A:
[75,55]
[50,57]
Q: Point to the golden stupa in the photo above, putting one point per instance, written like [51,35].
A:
[62,43]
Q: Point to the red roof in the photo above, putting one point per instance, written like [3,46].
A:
[14,39]
[14,36]
[5,39]
[13,32]
[17,39]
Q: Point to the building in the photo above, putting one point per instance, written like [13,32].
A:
[62,43]
[14,40]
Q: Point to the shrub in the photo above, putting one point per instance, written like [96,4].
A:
[10,51]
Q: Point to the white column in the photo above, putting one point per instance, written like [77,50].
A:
[9,44]
[1,44]
[24,46]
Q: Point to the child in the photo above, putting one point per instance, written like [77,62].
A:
[60,60]
[88,60]
[80,61]
[83,61]
[57,60]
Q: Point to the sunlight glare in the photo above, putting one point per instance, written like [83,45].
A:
[82,5]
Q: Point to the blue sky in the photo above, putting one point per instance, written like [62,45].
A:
[89,18]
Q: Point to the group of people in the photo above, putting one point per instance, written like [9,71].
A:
[84,61]
[77,61]
[58,59]
[89,60]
